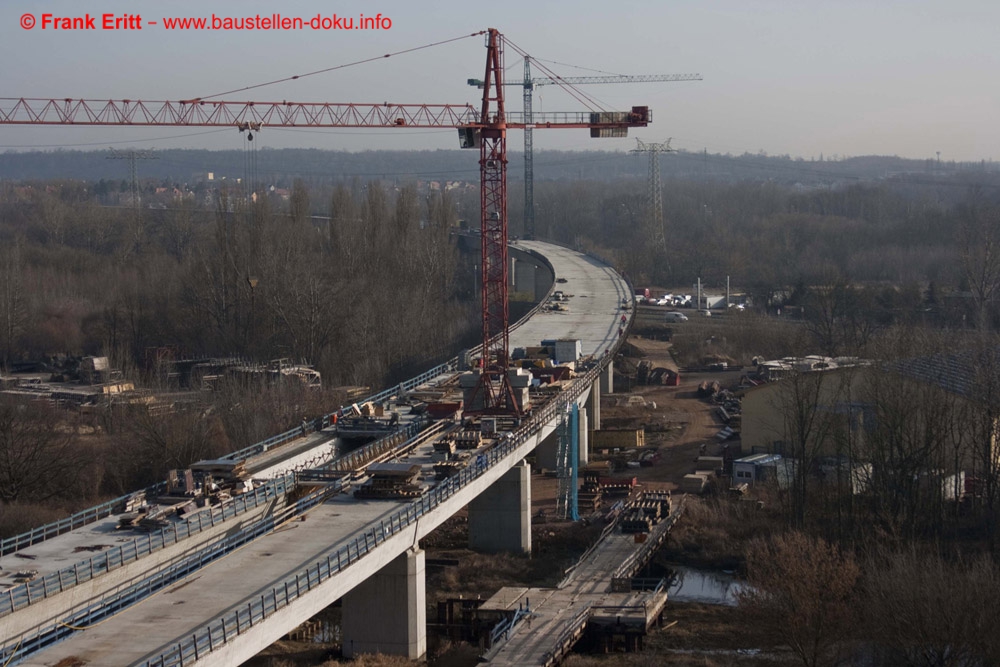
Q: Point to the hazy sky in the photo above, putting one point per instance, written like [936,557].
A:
[837,77]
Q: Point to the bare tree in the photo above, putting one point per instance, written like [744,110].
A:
[13,308]
[922,610]
[808,427]
[38,454]
[801,591]
[980,259]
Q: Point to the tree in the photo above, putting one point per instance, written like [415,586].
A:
[13,310]
[980,259]
[809,426]
[38,458]
[922,610]
[801,592]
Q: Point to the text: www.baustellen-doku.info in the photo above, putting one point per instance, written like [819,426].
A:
[55,22]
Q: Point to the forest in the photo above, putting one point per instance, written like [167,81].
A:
[361,279]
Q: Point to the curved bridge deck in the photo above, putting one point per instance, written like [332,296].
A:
[227,611]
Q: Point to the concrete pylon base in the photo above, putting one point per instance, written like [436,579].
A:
[387,613]
[500,517]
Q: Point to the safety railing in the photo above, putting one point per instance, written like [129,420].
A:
[501,631]
[81,518]
[356,459]
[638,558]
[26,594]
[106,509]
[231,625]
[564,642]
[252,612]
[137,588]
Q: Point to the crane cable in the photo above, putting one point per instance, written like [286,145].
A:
[336,67]
[577,94]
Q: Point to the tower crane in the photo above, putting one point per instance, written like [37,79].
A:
[484,128]
[529,84]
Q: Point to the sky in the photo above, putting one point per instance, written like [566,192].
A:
[833,78]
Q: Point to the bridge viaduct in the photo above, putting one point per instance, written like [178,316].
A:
[218,593]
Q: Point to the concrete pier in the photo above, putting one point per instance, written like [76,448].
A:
[594,407]
[387,613]
[500,517]
[607,383]
[524,279]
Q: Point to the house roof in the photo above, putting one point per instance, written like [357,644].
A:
[962,373]
[759,459]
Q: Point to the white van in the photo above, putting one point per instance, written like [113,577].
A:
[675,317]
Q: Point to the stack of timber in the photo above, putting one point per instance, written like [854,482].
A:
[447,469]
[590,495]
[695,483]
[642,515]
[468,439]
[391,481]
[708,463]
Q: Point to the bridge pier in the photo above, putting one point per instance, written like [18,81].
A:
[607,382]
[524,278]
[594,407]
[387,613]
[500,517]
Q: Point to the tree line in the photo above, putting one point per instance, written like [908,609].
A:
[370,294]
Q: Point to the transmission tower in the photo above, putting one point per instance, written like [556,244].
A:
[529,84]
[655,220]
[133,157]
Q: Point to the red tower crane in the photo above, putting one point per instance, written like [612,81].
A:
[485,129]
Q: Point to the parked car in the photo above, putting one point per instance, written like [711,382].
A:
[675,317]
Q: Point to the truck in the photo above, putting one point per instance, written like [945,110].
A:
[641,293]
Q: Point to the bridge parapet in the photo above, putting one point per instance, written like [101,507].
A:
[227,628]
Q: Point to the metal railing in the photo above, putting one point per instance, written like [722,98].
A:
[139,587]
[23,595]
[233,624]
[103,510]
[638,558]
[254,611]
[81,518]
[502,630]
[564,642]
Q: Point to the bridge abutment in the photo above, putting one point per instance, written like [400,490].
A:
[387,613]
[500,517]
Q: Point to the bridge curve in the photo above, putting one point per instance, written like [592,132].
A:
[306,561]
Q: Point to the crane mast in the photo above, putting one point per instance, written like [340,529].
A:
[529,85]
[493,390]
[484,128]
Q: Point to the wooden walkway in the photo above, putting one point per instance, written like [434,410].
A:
[559,616]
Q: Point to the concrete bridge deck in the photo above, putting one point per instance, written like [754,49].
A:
[142,631]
